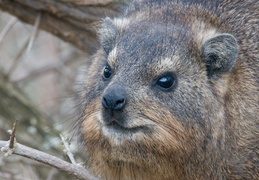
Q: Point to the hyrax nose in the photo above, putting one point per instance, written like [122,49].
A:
[114,98]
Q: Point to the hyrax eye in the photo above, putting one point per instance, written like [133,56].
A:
[166,82]
[107,72]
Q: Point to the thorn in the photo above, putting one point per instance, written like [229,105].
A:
[7,28]
[33,36]
[67,150]
[12,138]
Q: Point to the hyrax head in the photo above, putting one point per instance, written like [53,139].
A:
[152,89]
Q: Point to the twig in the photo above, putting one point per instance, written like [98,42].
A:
[67,150]
[33,36]
[12,138]
[7,28]
[75,170]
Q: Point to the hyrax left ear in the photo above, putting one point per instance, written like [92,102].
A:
[219,53]
[107,34]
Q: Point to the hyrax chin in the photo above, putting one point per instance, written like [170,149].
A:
[173,92]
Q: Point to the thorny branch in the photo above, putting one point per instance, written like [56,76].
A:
[75,170]
[11,147]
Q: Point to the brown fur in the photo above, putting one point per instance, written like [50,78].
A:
[204,128]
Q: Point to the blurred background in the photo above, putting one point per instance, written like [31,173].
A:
[49,73]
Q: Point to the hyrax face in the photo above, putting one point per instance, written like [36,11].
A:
[149,95]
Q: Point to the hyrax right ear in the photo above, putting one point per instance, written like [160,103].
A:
[219,53]
[107,34]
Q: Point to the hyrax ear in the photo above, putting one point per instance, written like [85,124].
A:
[107,34]
[219,53]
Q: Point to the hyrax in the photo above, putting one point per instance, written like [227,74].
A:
[173,92]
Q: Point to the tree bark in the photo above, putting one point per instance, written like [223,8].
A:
[72,21]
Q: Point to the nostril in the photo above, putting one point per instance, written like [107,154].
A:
[105,103]
[120,101]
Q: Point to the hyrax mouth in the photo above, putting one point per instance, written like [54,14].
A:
[118,123]
[130,130]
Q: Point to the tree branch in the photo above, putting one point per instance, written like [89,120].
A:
[69,20]
[75,170]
